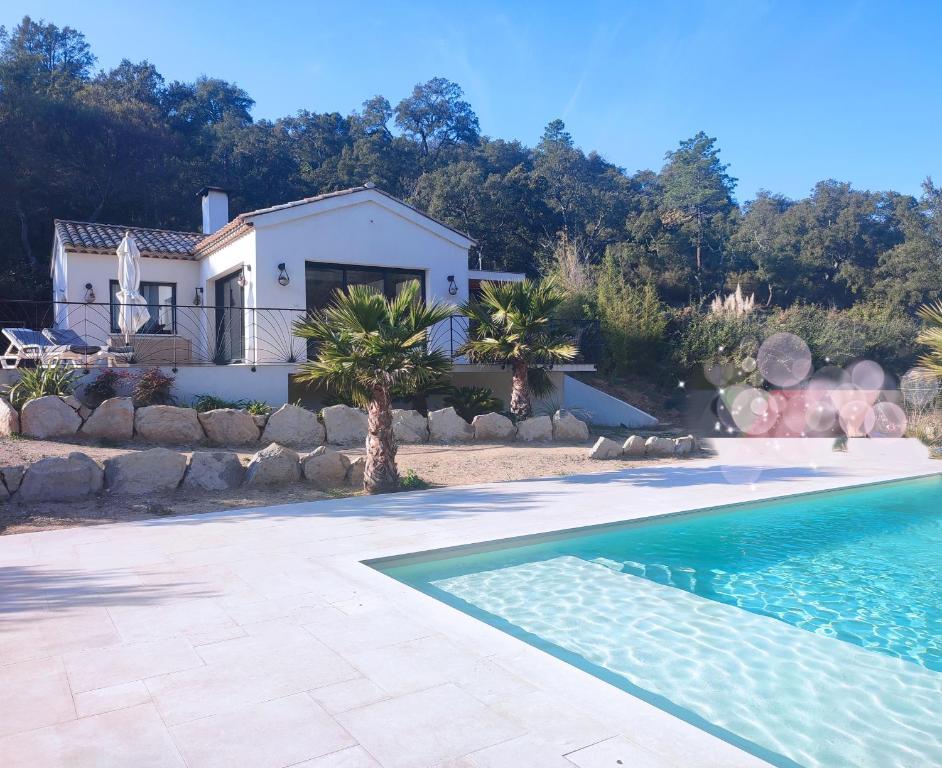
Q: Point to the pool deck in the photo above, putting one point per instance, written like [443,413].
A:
[258,637]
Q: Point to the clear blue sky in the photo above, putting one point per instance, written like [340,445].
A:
[794,91]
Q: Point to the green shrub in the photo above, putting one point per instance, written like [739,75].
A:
[258,407]
[40,382]
[632,319]
[205,402]
[469,402]
[410,481]
[718,339]
[153,387]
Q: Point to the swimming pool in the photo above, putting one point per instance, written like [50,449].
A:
[806,630]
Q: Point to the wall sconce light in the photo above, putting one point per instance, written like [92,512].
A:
[89,293]
[452,285]
[242,280]
[283,278]
[198,297]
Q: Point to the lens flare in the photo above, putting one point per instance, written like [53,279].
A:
[784,360]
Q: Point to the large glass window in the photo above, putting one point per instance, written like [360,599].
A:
[161,306]
[323,279]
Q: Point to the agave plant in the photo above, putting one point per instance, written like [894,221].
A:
[510,325]
[368,345]
[43,380]
[931,336]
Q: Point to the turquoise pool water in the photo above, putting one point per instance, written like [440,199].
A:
[808,631]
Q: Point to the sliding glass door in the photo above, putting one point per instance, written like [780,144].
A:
[323,279]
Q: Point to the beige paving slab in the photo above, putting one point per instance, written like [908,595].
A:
[347,695]
[109,699]
[271,734]
[616,752]
[354,757]
[34,694]
[554,720]
[515,753]
[421,729]
[182,617]
[133,737]
[366,630]
[105,667]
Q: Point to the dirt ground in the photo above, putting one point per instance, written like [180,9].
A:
[438,465]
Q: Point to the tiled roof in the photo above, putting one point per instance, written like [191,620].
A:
[105,238]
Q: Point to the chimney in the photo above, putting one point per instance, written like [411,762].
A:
[215,209]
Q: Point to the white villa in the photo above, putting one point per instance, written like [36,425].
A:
[228,295]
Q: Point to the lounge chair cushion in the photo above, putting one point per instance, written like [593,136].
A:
[69,340]
[25,339]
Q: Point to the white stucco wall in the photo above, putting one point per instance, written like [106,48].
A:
[92,322]
[368,230]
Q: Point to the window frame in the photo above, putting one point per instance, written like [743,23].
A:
[113,306]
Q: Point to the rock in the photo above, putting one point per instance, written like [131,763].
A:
[494,427]
[83,410]
[634,447]
[345,425]
[157,469]
[446,426]
[112,420]
[229,426]
[260,419]
[49,416]
[12,476]
[683,446]
[409,426]
[535,429]
[295,427]
[214,471]
[659,447]
[355,472]
[568,429]
[325,468]
[9,419]
[168,424]
[60,478]
[605,448]
[272,465]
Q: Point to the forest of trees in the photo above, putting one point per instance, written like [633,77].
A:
[126,146]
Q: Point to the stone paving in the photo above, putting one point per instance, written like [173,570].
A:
[258,638]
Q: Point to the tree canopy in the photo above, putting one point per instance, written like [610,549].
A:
[126,146]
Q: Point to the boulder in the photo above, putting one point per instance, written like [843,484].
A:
[49,416]
[112,420]
[493,427]
[9,419]
[568,429]
[229,426]
[634,447]
[684,446]
[605,448]
[535,429]
[409,426]
[355,472]
[214,471]
[151,471]
[325,468]
[272,465]
[295,427]
[260,419]
[345,425]
[168,424]
[78,406]
[659,447]
[446,426]
[60,478]
[12,476]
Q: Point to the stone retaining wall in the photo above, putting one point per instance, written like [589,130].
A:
[156,470]
[636,447]
[118,420]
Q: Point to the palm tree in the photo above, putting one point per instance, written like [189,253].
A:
[510,325]
[931,336]
[367,345]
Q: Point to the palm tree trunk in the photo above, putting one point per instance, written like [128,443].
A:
[380,473]
[520,392]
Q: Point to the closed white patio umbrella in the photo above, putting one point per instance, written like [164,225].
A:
[132,306]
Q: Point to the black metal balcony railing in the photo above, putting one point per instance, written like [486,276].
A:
[585,334]
[182,335]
